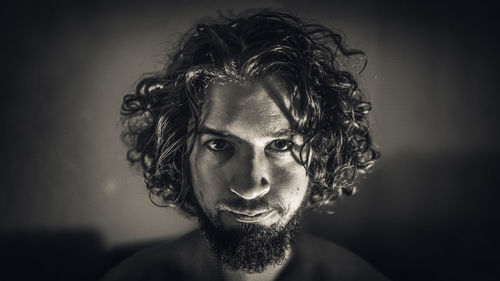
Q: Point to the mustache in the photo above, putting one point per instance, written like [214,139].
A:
[246,206]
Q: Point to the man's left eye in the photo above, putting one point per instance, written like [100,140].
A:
[280,145]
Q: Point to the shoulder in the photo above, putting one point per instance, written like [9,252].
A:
[181,259]
[319,259]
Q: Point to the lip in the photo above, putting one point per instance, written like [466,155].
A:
[251,217]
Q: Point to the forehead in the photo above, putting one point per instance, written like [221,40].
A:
[259,107]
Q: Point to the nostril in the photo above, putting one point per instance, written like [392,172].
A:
[263,182]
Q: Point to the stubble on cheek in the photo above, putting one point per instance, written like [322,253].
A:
[200,196]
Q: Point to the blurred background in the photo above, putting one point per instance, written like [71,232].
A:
[71,206]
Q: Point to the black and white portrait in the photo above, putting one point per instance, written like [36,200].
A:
[283,140]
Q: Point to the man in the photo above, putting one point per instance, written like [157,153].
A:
[254,120]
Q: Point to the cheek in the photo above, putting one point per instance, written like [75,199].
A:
[291,183]
[206,180]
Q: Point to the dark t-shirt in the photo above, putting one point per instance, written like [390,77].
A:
[188,258]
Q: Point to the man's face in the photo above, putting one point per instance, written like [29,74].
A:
[244,165]
[246,174]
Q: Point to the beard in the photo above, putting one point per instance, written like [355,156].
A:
[250,247]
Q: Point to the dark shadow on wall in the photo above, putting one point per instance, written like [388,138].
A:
[437,220]
[50,254]
[59,255]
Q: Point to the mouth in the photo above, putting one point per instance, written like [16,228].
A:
[251,217]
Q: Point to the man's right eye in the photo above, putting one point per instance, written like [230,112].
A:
[218,145]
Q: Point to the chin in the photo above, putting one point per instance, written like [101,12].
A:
[250,247]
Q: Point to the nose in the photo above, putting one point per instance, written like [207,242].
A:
[251,180]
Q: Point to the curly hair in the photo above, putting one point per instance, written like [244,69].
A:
[327,105]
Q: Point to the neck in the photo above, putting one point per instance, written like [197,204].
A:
[269,274]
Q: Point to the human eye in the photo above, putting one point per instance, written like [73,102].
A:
[280,145]
[217,145]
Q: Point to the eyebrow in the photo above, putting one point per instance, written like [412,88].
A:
[222,133]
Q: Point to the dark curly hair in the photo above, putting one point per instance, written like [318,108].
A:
[327,106]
